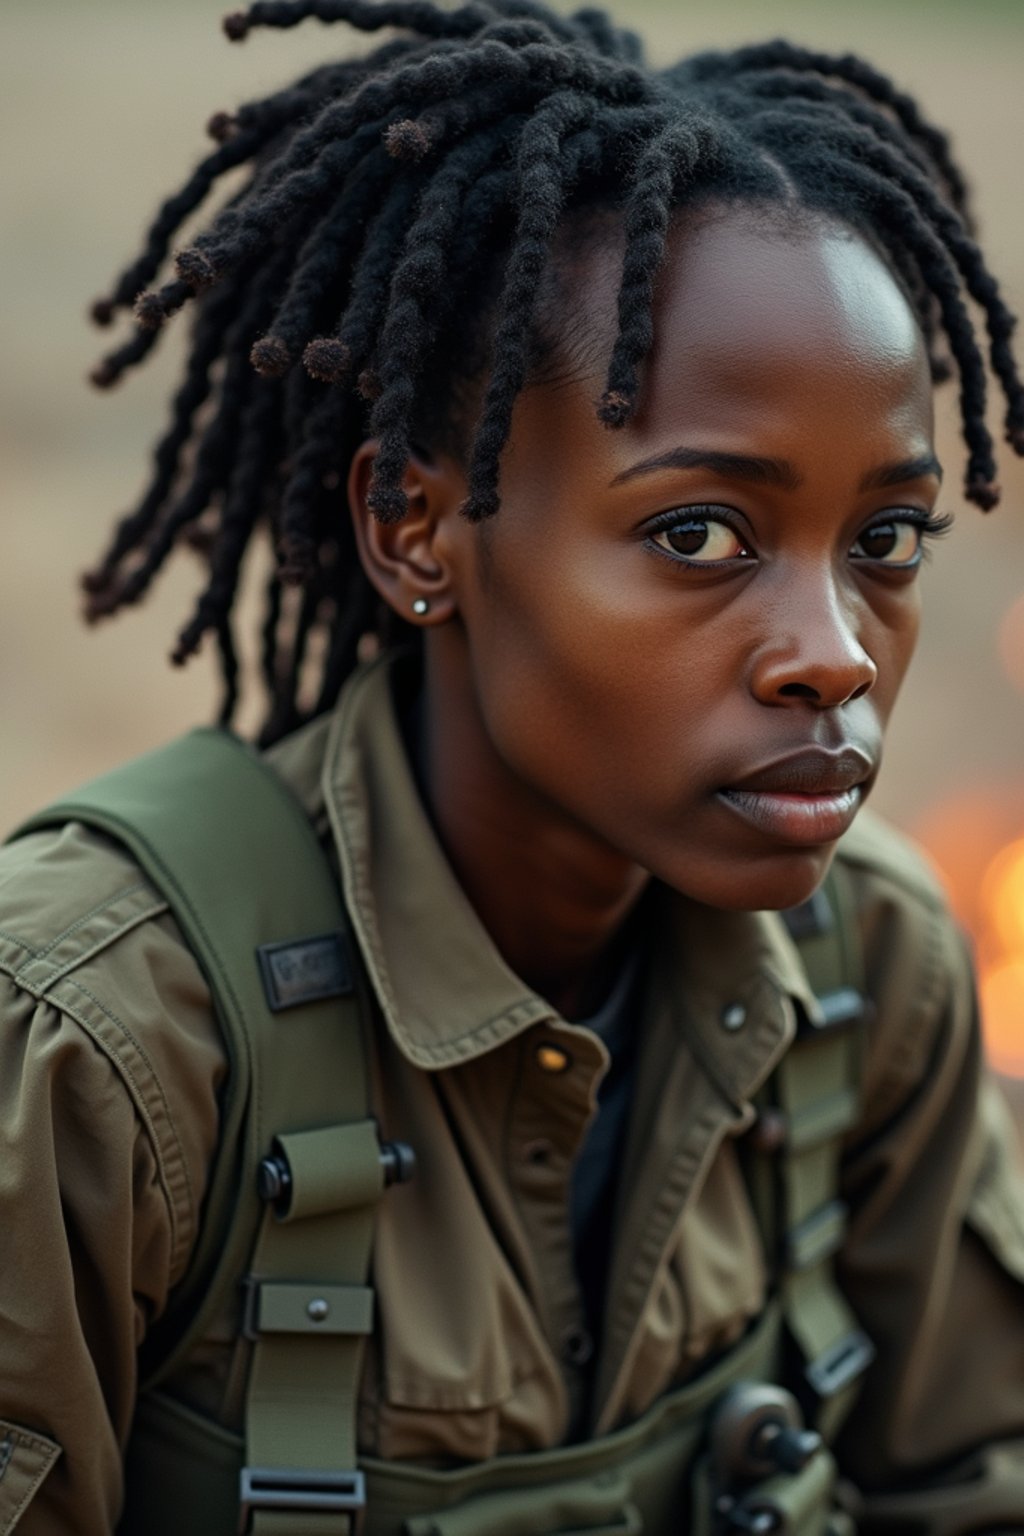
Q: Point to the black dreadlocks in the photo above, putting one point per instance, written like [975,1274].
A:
[393,194]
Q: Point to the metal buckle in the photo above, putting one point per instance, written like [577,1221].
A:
[296,1488]
[843,1363]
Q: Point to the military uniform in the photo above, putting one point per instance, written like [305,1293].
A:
[109,1123]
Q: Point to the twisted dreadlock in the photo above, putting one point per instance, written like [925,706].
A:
[391,194]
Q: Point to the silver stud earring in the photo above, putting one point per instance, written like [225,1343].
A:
[420,606]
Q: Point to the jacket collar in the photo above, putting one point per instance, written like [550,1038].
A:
[445,992]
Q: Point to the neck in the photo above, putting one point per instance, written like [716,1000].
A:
[553,897]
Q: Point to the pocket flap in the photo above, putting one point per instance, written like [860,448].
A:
[25,1460]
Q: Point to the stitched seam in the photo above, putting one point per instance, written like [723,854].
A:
[435,1052]
[51,1452]
[55,972]
[143,1107]
[130,890]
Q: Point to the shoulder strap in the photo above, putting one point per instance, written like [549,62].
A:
[812,1100]
[232,851]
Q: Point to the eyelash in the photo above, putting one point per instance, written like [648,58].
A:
[932,525]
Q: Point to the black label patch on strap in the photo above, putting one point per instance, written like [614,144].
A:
[304,970]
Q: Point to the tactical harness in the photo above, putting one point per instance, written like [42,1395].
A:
[289,1218]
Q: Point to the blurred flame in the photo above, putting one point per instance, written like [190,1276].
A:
[977,843]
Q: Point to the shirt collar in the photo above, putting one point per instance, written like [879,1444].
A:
[446,993]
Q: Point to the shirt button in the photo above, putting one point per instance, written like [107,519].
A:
[551,1058]
[734,1017]
[577,1346]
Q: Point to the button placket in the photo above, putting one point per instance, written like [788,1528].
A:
[550,1113]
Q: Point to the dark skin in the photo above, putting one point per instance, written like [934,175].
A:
[675,650]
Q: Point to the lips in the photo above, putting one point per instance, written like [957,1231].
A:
[806,798]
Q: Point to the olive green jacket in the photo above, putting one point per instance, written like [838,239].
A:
[110,1065]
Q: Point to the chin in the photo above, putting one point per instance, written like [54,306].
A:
[765,885]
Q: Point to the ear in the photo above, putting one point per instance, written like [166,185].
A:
[408,562]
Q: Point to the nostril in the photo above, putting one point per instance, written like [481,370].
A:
[799,691]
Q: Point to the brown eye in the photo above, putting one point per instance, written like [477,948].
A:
[701,539]
[894,543]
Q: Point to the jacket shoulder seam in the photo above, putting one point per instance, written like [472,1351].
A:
[126,1054]
[37,970]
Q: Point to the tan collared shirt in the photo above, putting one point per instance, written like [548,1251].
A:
[110,1064]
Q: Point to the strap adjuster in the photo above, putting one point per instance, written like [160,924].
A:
[297,1488]
[842,1363]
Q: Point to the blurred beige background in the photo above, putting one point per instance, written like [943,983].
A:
[101,113]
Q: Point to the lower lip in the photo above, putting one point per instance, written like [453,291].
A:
[798,819]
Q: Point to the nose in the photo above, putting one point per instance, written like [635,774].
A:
[813,652]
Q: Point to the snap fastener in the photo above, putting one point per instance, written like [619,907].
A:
[577,1346]
[318,1310]
[734,1017]
[551,1058]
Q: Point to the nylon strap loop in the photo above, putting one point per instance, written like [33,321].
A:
[312,1309]
[335,1168]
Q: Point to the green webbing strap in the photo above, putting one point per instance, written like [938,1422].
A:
[817,1093]
[222,838]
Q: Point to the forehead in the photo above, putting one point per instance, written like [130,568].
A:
[772,338]
[754,313]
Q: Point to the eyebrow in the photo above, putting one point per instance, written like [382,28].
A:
[898,474]
[764,471]
[735,466]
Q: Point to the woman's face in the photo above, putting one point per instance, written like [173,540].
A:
[686,637]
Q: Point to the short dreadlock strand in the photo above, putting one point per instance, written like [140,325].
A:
[858,73]
[329,140]
[321,267]
[542,193]
[229,671]
[112,368]
[216,455]
[344,353]
[242,506]
[408,329]
[941,276]
[195,388]
[785,126]
[419,16]
[890,164]
[675,158]
[792,85]
[312,460]
[897,212]
[964,251]
[254,125]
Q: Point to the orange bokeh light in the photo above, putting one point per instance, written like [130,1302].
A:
[977,843]
[1002,898]
[1002,1008]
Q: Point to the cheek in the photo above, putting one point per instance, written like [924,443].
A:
[591,682]
[899,623]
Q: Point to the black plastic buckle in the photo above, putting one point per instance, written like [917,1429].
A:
[843,1363]
[295,1488]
